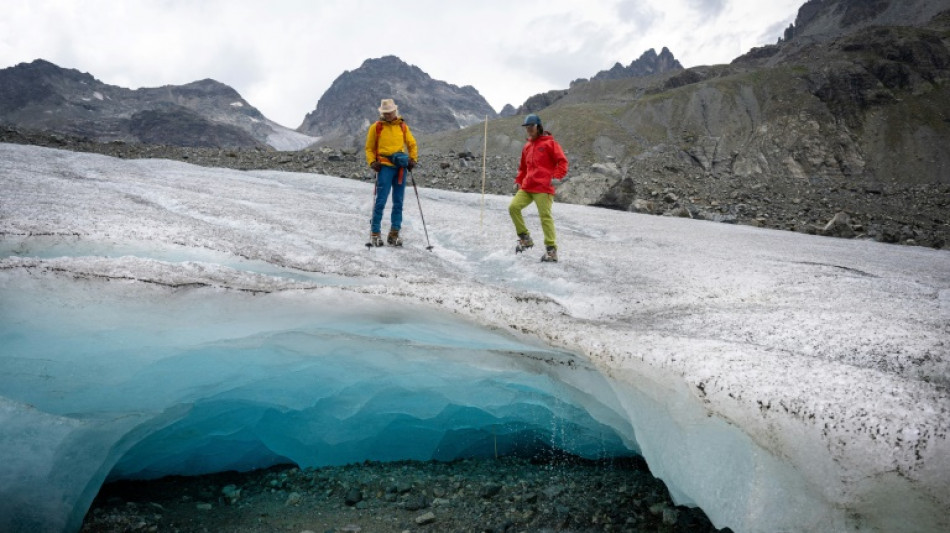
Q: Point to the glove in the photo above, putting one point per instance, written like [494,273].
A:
[376,166]
[411,165]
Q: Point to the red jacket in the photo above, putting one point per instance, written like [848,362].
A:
[541,160]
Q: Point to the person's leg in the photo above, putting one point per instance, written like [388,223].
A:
[518,203]
[399,192]
[544,202]
[384,182]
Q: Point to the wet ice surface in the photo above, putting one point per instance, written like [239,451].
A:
[780,381]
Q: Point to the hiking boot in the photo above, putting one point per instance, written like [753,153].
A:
[393,238]
[524,242]
[375,239]
[550,256]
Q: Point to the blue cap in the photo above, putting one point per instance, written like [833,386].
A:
[532,119]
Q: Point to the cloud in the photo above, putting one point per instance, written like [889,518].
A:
[638,15]
[284,54]
[707,8]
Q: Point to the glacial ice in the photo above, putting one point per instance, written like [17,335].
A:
[158,318]
[136,382]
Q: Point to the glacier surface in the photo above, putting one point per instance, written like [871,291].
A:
[157,317]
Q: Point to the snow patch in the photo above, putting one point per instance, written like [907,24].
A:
[286,139]
[467,119]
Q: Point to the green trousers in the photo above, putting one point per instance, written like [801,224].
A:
[544,201]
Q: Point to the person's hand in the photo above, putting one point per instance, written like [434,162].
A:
[376,166]
[411,165]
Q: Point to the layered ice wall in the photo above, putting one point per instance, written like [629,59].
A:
[782,382]
[130,381]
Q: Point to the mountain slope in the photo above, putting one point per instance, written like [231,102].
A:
[855,123]
[205,113]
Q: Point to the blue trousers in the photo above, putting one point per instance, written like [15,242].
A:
[386,181]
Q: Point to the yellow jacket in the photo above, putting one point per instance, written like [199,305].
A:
[391,140]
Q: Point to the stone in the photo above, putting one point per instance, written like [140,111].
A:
[416,503]
[232,493]
[839,226]
[426,518]
[353,496]
[490,490]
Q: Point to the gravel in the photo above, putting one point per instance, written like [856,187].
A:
[503,495]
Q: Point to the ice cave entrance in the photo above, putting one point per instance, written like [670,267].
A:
[155,381]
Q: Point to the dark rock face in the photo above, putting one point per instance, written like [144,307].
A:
[648,64]
[826,20]
[344,113]
[156,126]
[687,77]
[848,12]
[27,84]
[540,101]
[41,95]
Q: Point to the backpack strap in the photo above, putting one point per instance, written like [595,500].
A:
[379,129]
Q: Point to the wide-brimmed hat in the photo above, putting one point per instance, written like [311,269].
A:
[387,105]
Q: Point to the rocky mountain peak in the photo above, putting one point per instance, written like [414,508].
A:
[393,66]
[647,64]
[211,87]
[38,81]
[348,107]
[508,111]
[40,68]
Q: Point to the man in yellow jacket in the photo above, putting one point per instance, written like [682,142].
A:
[390,151]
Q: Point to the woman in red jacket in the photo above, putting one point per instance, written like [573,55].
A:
[542,160]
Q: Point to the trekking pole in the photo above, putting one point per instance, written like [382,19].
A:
[375,188]
[481,217]
[429,245]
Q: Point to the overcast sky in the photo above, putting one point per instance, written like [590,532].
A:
[282,55]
